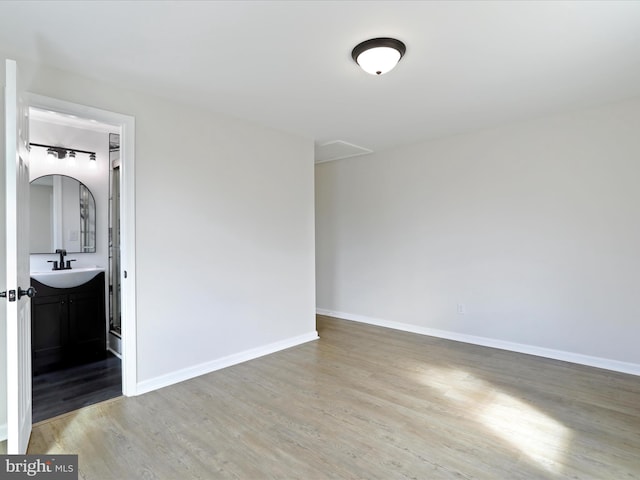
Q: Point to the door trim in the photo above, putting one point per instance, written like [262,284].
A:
[127,219]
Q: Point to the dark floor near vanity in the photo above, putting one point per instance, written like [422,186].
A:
[66,390]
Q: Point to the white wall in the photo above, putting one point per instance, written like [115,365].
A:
[225,231]
[41,217]
[534,228]
[225,216]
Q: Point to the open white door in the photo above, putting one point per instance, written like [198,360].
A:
[18,290]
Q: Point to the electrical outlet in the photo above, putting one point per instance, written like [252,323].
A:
[461,308]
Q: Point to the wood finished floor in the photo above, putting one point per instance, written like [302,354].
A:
[62,391]
[366,402]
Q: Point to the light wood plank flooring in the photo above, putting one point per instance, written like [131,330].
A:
[366,402]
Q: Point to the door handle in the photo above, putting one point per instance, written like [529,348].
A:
[29,292]
[11,295]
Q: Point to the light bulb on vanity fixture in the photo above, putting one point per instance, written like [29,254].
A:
[378,55]
[52,156]
[71,155]
[92,161]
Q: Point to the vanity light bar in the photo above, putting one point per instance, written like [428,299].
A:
[62,152]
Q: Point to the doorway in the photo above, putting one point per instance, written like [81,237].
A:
[123,126]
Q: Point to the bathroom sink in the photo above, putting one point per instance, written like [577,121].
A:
[67,278]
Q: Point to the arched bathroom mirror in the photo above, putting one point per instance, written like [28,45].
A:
[63,215]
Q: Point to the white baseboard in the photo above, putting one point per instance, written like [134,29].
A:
[3,432]
[115,353]
[208,367]
[114,344]
[598,362]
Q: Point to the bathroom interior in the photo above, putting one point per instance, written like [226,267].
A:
[75,262]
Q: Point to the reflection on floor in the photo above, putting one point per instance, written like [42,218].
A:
[66,390]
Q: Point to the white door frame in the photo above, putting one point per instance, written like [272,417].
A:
[127,219]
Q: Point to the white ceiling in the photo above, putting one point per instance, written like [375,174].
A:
[287,64]
[66,120]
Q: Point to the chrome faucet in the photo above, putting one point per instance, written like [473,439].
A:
[60,265]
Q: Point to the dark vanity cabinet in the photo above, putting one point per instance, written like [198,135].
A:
[68,325]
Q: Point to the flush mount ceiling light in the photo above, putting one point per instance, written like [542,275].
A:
[378,55]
